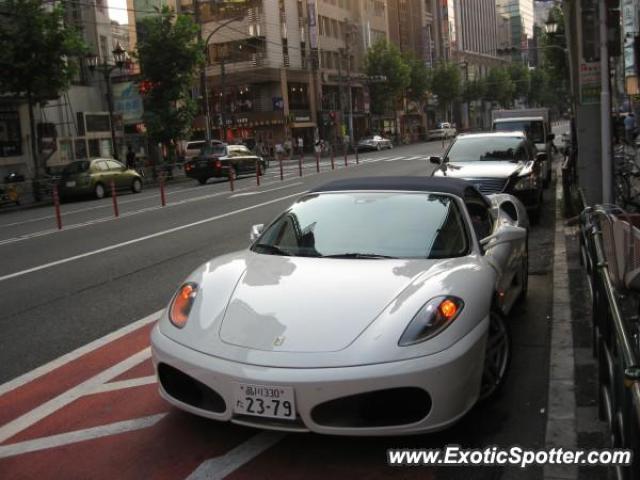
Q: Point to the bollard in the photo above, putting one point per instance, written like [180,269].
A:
[281,171]
[163,199]
[115,200]
[300,163]
[56,205]
[232,178]
[333,159]
[257,173]
[345,156]
[357,158]
[317,162]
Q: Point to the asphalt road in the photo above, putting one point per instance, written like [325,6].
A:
[63,289]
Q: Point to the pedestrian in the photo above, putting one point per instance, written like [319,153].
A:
[280,150]
[630,128]
[288,147]
[131,158]
[317,147]
[300,145]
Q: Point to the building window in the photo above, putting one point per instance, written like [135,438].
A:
[298,96]
[10,141]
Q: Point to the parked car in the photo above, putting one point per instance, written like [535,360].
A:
[220,160]
[497,162]
[83,177]
[193,148]
[374,142]
[346,318]
[534,122]
[443,130]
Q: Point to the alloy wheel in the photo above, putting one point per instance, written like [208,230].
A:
[497,355]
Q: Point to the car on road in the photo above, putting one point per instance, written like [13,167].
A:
[220,160]
[443,130]
[497,162]
[94,177]
[374,142]
[193,148]
[345,317]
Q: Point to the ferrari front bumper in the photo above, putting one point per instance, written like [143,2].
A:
[451,378]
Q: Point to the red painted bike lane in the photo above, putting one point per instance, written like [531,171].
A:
[96,413]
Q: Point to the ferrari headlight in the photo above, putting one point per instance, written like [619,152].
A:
[434,316]
[182,303]
[528,182]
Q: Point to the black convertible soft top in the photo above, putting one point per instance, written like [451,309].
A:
[453,186]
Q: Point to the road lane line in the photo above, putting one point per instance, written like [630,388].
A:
[258,192]
[219,467]
[122,384]
[393,159]
[142,239]
[32,417]
[77,353]
[76,436]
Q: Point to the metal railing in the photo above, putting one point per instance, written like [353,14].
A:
[610,251]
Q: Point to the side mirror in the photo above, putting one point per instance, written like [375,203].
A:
[552,136]
[256,231]
[541,157]
[435,160]
[507,233]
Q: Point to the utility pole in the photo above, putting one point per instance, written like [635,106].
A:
[223,79]
[348,34]
[605,107]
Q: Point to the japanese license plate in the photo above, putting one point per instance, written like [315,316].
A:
[71,184]
[264,401]
[203,163]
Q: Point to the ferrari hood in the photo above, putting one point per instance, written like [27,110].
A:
[297,304]
[481,169]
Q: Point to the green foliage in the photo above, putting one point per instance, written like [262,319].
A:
[474,90]
[39,53]
[385,59]
[520,77]
[554,62]
[500,87]
[169,54]
[539,88]
[419,79]
[446,84]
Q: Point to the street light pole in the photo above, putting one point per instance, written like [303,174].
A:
[119,57]
[203,78]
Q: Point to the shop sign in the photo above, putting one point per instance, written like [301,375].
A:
[302,118]
[629,30]
[590,83]
[128,102]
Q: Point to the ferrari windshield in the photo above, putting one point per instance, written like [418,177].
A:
[485,148]
[368,225]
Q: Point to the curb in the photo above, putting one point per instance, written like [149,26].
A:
[561,403]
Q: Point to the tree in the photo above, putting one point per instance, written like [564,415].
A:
[520,76]
[38,57]
[385,59]
[538,88]
[500,87]
[554,62]
[446,85]
[474,90]
[169,53]
[419,78]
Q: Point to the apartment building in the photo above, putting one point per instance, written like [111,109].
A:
[75,125]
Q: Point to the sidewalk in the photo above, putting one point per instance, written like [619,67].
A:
[572,417]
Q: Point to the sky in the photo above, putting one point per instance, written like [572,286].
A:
[119,13]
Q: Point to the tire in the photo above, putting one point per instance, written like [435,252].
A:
[99,191]
[547,181]
[378,147]
[497,356]
[202,180]
[136,185]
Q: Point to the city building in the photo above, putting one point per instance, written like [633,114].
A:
[75,125]
[521,14]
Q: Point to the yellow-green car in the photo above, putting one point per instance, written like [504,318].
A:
[94,177]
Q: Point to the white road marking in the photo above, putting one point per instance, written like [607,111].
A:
[394,159]
[258,192]
[77,353]
[416,157]
[219,467]
[122,384]
[32,417]
[76,436]
[142,239]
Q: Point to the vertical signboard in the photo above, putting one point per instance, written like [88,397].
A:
[590,83]
[629,31]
